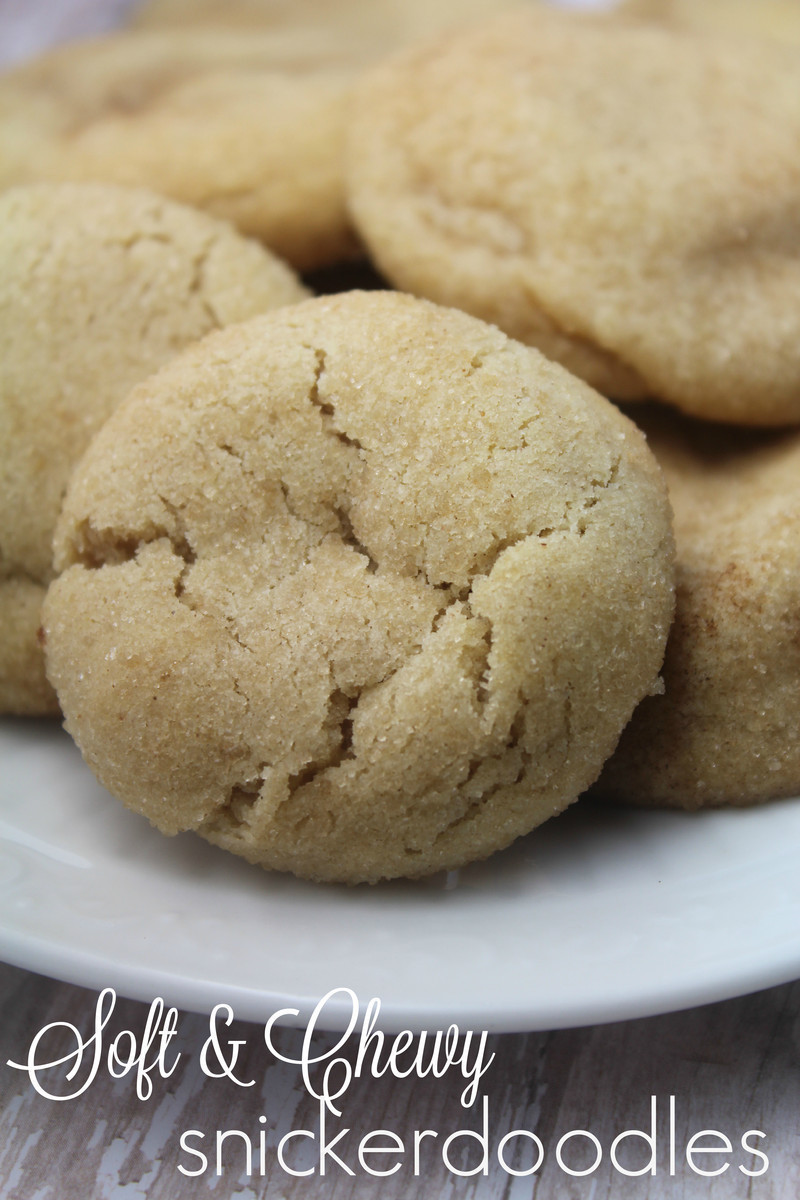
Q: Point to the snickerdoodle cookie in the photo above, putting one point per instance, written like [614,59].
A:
[778,19]
[372,27]
[248,126]
[625,197]
[358,589]
[99,286]
[727,729]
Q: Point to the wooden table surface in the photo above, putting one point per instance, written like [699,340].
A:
[732,1067]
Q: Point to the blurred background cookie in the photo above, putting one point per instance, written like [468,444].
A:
[358,589]
[248,126]
[779,19]
[372,27]
[727,729]
[99,286]
[624,196]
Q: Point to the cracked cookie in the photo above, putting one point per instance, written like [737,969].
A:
[99,286]
[638,223]
[358,589]
[247,126]
[727,729]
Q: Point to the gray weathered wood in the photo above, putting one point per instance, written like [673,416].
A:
[733,1067]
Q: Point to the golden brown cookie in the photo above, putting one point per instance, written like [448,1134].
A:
[727,729]
[99,286]
[629,191]
[358,589]
[373,28]
[779,19]
[248,126]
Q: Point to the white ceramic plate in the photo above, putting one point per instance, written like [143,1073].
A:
[601,915]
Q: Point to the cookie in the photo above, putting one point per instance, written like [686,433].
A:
[778,19]
[555,177]
[372,30]
[99,286]
[248,126]
[727,729]
[358,589]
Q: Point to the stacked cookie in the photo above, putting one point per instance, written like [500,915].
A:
[99,286]
[779,19]
[624,197]
[365,587]
[248,126]
[727,730]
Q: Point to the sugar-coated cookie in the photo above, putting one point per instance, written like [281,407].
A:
[372,29]
[99,286]
[248,126]
[727,729]
[778,19]
[358,589]
[627,189]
